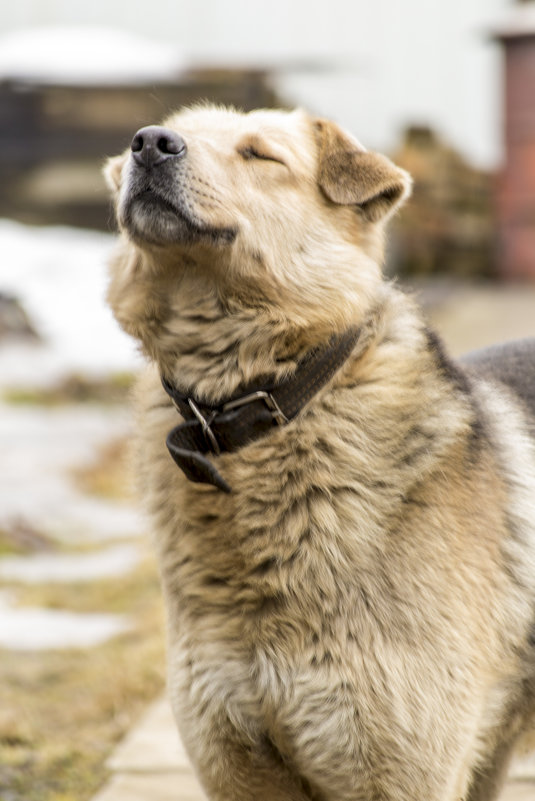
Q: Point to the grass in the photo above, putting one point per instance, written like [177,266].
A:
[62,712]
[73,389]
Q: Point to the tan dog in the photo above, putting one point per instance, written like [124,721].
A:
[347,544]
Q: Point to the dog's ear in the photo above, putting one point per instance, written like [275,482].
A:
[112,172]
[350,175]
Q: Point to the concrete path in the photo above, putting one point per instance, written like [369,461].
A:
[150,765]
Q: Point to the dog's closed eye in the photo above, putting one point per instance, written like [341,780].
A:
[252,151]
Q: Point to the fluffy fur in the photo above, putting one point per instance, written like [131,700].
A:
[355,620]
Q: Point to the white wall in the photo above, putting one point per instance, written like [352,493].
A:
[392,61]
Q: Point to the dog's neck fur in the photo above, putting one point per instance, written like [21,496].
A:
[211,348]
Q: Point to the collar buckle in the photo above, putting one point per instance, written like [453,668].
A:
[205,425]
[278,415]
[206,422]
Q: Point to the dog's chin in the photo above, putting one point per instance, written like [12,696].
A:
[150,219]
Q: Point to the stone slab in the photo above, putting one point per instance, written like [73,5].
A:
[513,791]
[152,746]
[177,786]
[523,768]
[474,316]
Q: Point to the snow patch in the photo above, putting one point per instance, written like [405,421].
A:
[89,55]
[34,629]
[60,277]
[39,568]
[518,21]
[40,449]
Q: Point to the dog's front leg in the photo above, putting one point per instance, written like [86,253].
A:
[232,770]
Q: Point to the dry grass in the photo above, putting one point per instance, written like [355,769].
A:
[20,537]
[74,389]
[62,712]
[109,475]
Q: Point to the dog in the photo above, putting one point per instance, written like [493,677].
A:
[344,516]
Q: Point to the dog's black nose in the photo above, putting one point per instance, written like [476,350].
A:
[153,145]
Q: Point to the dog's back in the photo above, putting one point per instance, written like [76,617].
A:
[512,364]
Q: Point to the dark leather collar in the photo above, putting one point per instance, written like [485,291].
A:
[250,414]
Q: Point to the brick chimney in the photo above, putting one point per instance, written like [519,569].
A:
[516,192]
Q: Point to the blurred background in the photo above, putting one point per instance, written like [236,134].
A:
[447,90]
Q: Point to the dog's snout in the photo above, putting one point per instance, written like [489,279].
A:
[154,144]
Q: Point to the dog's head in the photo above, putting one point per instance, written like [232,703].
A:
[216,176]
[273,209]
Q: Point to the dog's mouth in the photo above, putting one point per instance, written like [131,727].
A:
[151,218]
